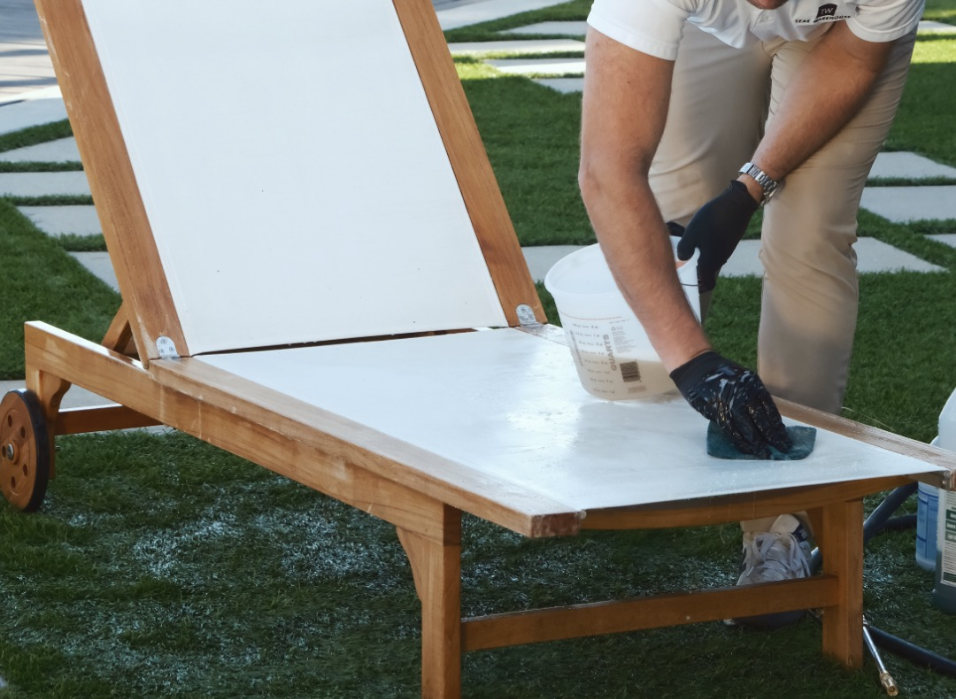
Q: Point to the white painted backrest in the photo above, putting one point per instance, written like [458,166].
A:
[291,170]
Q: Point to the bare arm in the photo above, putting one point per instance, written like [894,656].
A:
[625,106]
[829,89]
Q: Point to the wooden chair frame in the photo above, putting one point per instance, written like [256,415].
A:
[350,463]
[296,443]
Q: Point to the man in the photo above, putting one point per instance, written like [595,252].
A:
[789,104]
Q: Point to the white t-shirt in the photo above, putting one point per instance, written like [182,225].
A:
[655,26]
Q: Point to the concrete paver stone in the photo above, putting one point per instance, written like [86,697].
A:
[38,184]
[566,28]
[462,16]
[525,46]
[60,220]
[876,256]
[539,66]
[565,85]
[62,150]
[909,165]
[904,204]
[542,258]
[33,112]
[929,27]
[98,263]
[947,238]
[872,256]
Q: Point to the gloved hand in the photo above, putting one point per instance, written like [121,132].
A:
[716,229]
[736,399]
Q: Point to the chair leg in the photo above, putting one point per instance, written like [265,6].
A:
[436,566]
[843,558]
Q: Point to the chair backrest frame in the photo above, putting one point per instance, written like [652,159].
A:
[156,322]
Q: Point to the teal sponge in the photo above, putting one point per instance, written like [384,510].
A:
[720,446]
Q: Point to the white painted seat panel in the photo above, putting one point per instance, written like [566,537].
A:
[509,404]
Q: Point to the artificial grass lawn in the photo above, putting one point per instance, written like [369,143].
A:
[533,148]
[40,167]
[927,115]
[42,282]
[161,566]
[186,572]
[940,11]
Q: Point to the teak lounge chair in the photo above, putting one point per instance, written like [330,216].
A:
[319,275]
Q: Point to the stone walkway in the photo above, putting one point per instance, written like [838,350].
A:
[42,104]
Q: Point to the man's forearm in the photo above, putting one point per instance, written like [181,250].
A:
[832,84]
[636,243]
[625,106]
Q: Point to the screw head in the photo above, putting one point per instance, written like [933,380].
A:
[8,451]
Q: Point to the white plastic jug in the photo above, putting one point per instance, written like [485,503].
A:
[944,592]
[612,353]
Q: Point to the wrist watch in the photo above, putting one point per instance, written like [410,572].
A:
[768,185]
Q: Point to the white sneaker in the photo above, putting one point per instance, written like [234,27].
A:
[783,553]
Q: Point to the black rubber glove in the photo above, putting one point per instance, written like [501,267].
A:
[736,399]
[716,229]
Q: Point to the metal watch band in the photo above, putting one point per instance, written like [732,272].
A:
[768,185]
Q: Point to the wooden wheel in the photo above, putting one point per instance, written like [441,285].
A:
[25,454]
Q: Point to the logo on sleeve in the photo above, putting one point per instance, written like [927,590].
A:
[825,13]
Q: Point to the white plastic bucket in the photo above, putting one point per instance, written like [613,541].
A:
[612,353]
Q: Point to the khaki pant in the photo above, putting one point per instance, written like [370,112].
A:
[720,101]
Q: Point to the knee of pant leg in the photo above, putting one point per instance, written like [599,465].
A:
[807,323]
[810,298]
[810,253]
[811,288]
[804,345]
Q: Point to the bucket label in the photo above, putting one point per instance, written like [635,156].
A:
[623,345]
[926,526]
[609,362]
[630,372]
[948,544]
